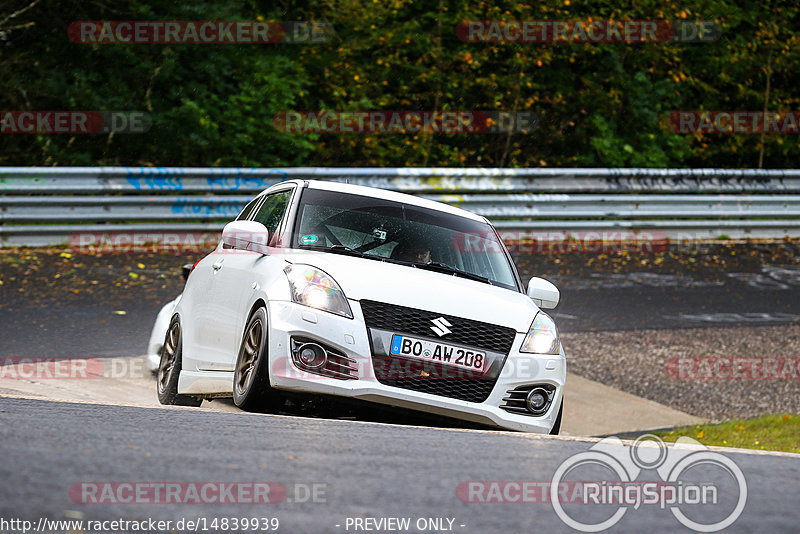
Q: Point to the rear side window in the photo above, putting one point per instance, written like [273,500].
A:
[271,211]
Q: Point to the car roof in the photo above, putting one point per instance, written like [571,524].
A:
[388,195]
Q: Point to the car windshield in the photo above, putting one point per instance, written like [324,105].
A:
[402,233]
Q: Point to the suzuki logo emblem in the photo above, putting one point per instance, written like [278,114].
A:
[440,326]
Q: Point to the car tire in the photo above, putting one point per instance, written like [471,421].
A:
[169,369]
[557,425]
[251,388]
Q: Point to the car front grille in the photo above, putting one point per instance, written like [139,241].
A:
[477,390]
[430,377]
[411,321]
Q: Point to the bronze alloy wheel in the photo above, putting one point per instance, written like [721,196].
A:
[169,370]
[251,388]
[249,359]
[168,355]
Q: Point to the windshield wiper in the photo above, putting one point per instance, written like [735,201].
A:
[341,249]
[440,267]
[345,250]
[434,266]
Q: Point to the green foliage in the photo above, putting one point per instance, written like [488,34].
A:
[770,432]
[599,104]
[210,104]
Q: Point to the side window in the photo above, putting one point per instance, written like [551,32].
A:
[248,209]
[271,211]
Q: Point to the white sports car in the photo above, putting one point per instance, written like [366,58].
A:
[335,289]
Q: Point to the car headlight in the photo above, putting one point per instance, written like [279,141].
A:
[314,288]
[542,336]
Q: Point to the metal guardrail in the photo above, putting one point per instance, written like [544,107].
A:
[87,180]
[46,205]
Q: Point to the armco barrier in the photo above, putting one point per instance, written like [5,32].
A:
[45,205]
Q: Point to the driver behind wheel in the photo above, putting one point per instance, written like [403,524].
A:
[411,252]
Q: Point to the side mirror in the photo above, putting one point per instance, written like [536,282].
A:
[246,235]
[543,293]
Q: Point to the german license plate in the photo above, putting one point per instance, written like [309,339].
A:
[432,351]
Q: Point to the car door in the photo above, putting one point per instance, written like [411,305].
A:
[204,332]
[235,279]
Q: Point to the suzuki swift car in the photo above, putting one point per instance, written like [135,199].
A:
[335,289]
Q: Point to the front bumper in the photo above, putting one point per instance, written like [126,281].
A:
[351,338]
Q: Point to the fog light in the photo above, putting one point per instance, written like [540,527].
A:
[311,356]
[536,400]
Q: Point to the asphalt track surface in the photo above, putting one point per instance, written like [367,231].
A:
[366,469]
[361,470]
[760,290]
[591,303]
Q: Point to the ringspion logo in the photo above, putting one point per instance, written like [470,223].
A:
[704,490]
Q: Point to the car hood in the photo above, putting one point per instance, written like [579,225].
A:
[427,290]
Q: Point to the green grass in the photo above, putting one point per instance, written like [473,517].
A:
[770,432]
